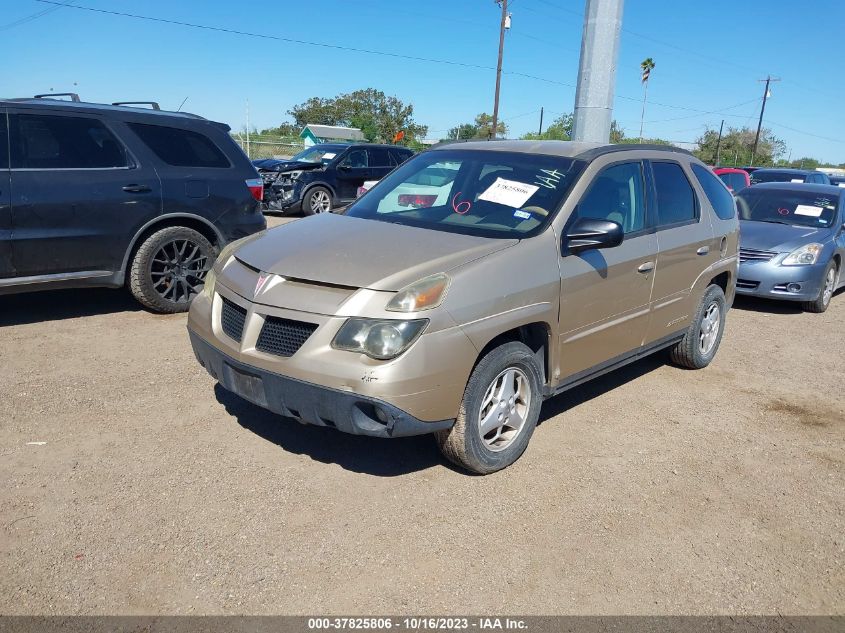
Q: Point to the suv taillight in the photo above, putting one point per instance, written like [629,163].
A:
[256,188]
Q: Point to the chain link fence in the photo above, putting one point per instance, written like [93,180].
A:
[265,146]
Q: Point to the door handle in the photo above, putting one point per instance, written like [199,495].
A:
[137,189]
[703,250]
[647,267]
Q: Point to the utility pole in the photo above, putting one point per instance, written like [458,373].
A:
[502,26]
[768,80]
[247,130]
[719,142]
[597,70]
[540,133]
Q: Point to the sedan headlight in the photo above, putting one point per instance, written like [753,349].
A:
[803,256]
[381,339]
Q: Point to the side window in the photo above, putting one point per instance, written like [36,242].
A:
[355,158]
[720,198]
[398,157]
[379,157]
[63,142]
[675,197]
[180,148]
[4,142]
[616,194]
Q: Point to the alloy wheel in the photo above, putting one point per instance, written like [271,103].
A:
[829,285]
[504,409]
[178,270]
[709,331]
[321,202]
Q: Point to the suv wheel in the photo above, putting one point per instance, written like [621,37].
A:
[169,268]
[499,411]
[825,292]
[702,339]
[317,200]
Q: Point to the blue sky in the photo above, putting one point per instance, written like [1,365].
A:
[709,56]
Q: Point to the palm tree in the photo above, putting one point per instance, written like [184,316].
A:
[647,66]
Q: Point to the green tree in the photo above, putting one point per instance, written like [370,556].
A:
[376,114]
[737,145]
[462,132]
[561,130]
[482,127]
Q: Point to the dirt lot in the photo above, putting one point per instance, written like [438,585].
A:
[653,490]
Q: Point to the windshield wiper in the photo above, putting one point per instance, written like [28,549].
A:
[776,222]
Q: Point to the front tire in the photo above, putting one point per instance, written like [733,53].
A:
[701,341]
[498,413]
[828,286]
[169,269]
[317,200]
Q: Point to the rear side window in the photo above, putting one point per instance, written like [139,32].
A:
[4,142]
[180,148]
[398,157]
[379,157]
[675,197]
[356,158]
[720,198]
[63,142]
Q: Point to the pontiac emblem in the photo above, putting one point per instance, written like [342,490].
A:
[263,278]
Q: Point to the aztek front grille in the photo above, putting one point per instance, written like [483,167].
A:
[283,337]
[232,319]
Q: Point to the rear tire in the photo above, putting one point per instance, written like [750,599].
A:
[826,291]
[317,200]
[504,394]
[702,339]
[169,269]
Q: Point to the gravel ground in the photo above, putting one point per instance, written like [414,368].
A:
[134,485]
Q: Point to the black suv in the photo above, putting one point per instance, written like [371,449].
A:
[113,195]
[326,175]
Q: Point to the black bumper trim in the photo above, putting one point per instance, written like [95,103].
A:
[307,402]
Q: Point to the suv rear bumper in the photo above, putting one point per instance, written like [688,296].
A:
[307,402]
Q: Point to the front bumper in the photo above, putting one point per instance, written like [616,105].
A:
[772,281]
[308,402]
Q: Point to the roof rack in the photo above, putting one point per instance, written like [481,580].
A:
[73,96]
[154,105]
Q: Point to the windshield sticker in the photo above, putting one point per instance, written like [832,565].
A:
[548,178]
[824,202]
[841,184]
[521,214]
[797,180]
[806,209]
[329,155]
[509,192]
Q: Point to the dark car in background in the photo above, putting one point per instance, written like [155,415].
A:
[325,176]
[837,180]
[792,242]
[112,195]
[734,179]
[789,175]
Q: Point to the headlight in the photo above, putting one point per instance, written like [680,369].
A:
[424,294]
[803,256]
[219,263]
[381,339]
[292,175]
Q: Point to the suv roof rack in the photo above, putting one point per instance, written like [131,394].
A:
[153,104]
[73,96]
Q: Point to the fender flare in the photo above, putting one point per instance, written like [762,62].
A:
[167,216]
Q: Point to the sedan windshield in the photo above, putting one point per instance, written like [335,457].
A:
[785,206]
[475,192]
[316,155]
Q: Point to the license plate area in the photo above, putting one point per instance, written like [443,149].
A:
[246,385]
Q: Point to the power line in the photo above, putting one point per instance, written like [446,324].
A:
[29,18]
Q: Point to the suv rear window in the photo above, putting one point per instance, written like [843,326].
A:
[675,198]
[180,148]
[720,198]
[63,142]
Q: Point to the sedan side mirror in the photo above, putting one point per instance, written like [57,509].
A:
[587,233]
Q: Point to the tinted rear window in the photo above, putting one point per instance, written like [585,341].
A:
[775,176]
[675,198]
[736,182]
[181,148]
[720,198]
[63,142]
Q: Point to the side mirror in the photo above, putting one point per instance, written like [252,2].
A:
[587,233]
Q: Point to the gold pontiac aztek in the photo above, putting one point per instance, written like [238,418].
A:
[471,283]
